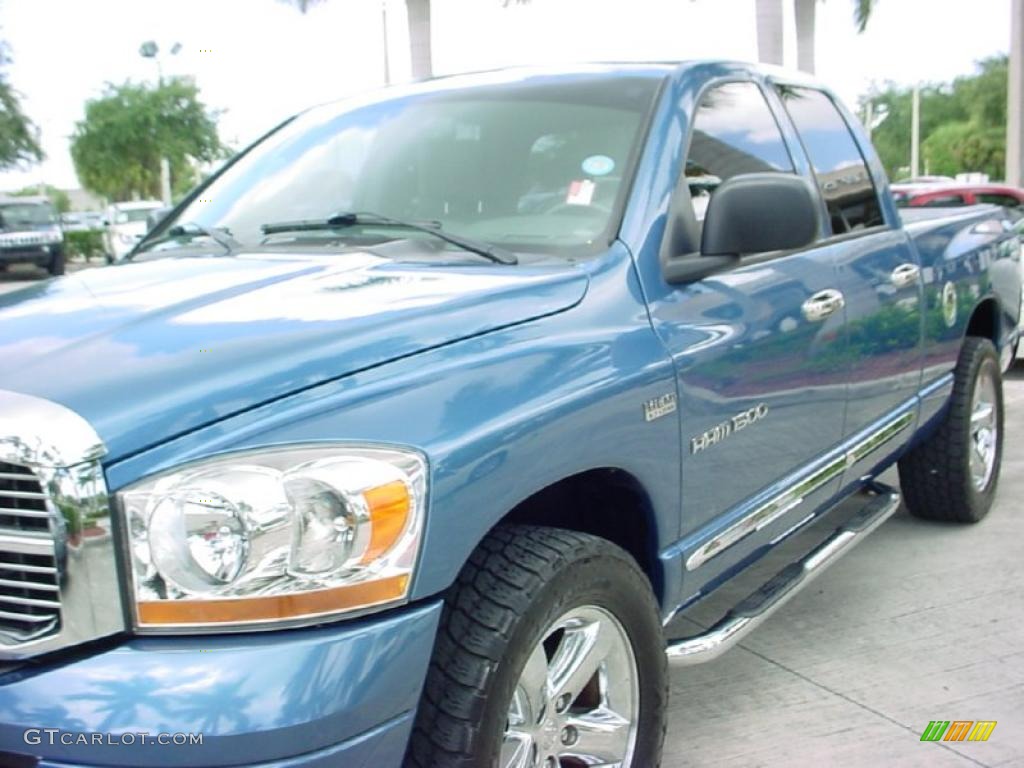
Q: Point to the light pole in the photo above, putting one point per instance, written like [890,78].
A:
[874,117]
[915,132]
[150,50]
[1015,98]
[384,35]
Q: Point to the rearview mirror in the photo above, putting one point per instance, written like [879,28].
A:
[761,212]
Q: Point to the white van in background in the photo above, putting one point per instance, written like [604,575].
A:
[125,225]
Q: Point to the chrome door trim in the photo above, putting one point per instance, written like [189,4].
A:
[63,451]
[795,495]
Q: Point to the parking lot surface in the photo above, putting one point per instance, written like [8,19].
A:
[20,275]
[923,621]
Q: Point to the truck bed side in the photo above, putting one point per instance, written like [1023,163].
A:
[970,263]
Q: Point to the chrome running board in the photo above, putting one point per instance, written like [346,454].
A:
[773,594]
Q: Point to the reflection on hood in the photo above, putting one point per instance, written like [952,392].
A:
[149,350]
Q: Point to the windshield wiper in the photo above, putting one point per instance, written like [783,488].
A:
[191,229]
[343,220]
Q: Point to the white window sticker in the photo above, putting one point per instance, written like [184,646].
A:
[581,192]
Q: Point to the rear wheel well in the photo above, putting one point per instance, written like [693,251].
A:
[984,322]
[609,503]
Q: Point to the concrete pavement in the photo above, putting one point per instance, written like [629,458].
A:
[20,275]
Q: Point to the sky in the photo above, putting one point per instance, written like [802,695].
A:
[259,61]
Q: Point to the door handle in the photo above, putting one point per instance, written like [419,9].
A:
[905,275]
[823,304]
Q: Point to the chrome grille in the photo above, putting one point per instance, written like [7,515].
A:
[29,572]
[22,501]
[59,584]
[25,239]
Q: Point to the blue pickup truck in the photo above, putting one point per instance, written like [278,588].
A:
[401,439]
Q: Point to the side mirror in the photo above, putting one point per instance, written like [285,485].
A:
[761,212]
[748,214]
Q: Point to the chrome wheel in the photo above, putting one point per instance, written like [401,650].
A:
[577,700]
[984,428]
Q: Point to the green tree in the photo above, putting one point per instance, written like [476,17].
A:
[117,148]
[963,123]
[966,146]
[18,143]
[58,197]
[984,94]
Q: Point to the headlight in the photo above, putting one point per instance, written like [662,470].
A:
[53,236]
[274,536]
[126,238]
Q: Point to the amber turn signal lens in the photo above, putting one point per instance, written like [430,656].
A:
[389,509]
[268,608]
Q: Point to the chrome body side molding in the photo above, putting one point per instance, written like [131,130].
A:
[877,439]
[794,496]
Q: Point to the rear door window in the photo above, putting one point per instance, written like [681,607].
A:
[841,169]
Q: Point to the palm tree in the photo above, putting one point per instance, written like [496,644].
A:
[769,31]
[418,14]
[804,11]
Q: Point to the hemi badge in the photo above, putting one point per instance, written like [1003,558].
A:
[657,407]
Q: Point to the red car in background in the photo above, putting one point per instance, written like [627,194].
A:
[945,195]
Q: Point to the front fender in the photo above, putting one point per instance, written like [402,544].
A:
[500,416]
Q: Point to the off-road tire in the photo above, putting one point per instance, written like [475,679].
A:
[516,583]
[935,476]
[56,265]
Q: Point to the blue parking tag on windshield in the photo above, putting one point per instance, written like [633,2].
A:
[598,165]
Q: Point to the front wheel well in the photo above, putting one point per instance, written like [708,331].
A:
[609,503]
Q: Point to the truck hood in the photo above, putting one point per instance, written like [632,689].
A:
[147,351]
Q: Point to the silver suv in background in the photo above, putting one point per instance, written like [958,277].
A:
[30,233]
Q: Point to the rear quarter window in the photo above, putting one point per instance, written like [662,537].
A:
[839,166]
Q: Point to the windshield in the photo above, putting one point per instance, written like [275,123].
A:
[133,214]
[14,215]
[536,166]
